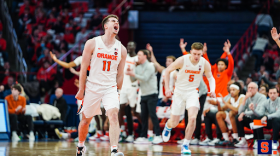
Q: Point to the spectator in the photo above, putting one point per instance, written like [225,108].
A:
[3,44]
[241,82]
[24,19]
[224,116]
[258,49]
[10,83]
[28,6]
[40,17]
[45,78]
[58,26]
[96,19]
[245,116]
[264,90]
[273,52]
[16,108]
[51,21]
[65,16]
[248,80]
[268,62]
[270,111]
[60,103]
[68,36]
[44,57]
[82,22]
[41,30]
[264,23]
[81,35]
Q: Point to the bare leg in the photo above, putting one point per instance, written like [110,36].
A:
[98,125]
[150,126]
[221,116]
[134,113]
[114,129]
[83,128]
[233,122]
[173,121]
[121,114]
[192,114]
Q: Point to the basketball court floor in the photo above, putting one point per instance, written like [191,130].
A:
[64,148]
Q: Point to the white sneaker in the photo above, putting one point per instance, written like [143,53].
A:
[185,149]
[275,145]
[213,142]
[166,134]
[157,140]
[255,146]
[81,151]
[141,140]
[242,143]
[205,142]
[105,138]
[194,141]
[15,138]
[116,153]
[180,142]
[31,136]
[130,138]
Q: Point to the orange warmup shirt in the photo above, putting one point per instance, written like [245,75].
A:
[12,104]
[222,78]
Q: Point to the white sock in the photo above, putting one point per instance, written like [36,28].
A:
[81,144]
[225,135]
[235,136]
[114,147]
[14,133]
[186,142]
[65,135]
[167,127]
[122,127]
[31,133]
[150,133]
[99,132]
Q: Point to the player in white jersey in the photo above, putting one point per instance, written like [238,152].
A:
[128,95]
[192,67]
[106,57]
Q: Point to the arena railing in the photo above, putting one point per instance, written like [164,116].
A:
[241,50]
[96,31]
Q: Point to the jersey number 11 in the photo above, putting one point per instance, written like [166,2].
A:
[104,65]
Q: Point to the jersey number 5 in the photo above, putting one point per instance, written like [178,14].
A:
[104,65]
[191,78]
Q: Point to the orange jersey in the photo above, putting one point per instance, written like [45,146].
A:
[222,78]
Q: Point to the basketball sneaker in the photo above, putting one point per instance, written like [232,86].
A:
[242,143]
[130,138]
[157,140]
[185,149]
[180,141]
[142,140]
[275,144]
[194,141]
[96,137]
[213,142]
[105,137]
[205,142]
[166,133]
[81,151]
[116,153]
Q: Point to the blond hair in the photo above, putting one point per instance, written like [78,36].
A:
[197,46]
[105,20]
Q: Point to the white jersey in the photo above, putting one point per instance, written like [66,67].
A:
[104,63]
[130,63]
[189,77]
[171,82]
[78,60]
[236,103]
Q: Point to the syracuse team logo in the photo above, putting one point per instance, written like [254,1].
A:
[265,147]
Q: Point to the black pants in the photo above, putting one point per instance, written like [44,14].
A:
[148,108]
[25,122]
[129,119]
[202,99]
[273,124]
[210,119]
[245,123]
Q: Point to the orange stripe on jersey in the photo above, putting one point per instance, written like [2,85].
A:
[88,68]
[192,71]
[130,62]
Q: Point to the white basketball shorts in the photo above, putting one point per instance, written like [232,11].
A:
[129,95]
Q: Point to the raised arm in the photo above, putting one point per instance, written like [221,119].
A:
[121,68]
[275,36]
[87,53]
[159,67]
[211,80]
[182,46]
[62,63]
[173,66]
[230,67]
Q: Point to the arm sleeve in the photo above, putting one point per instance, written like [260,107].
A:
[260,110]
[230,67]
[274,115]
[212,83]
[147,74]
[242,108]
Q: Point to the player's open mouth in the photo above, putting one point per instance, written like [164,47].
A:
[116,27]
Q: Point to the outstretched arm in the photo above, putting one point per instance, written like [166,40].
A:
[182,46]
[88,51]
[62,63]
[275,36]
[173,66]
[121,68]
[73,71]
[159,67]
[230,67]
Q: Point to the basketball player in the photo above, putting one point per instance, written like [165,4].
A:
[128,95]
[70,65]
[192,67]
[106,57]
[275,36]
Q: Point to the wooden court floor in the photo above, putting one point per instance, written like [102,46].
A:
[64,148]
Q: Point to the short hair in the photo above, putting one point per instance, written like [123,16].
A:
[223,60]
[105,20]
[145,52]
[171,57]
[265,86]
[17,87]
[197,46]
[274,88]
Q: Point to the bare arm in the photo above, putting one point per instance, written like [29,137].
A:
[73,71]
[159,67]
[235,109]
[173,66]
[275,36]
[121,68]
[208,74]
[62,63]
